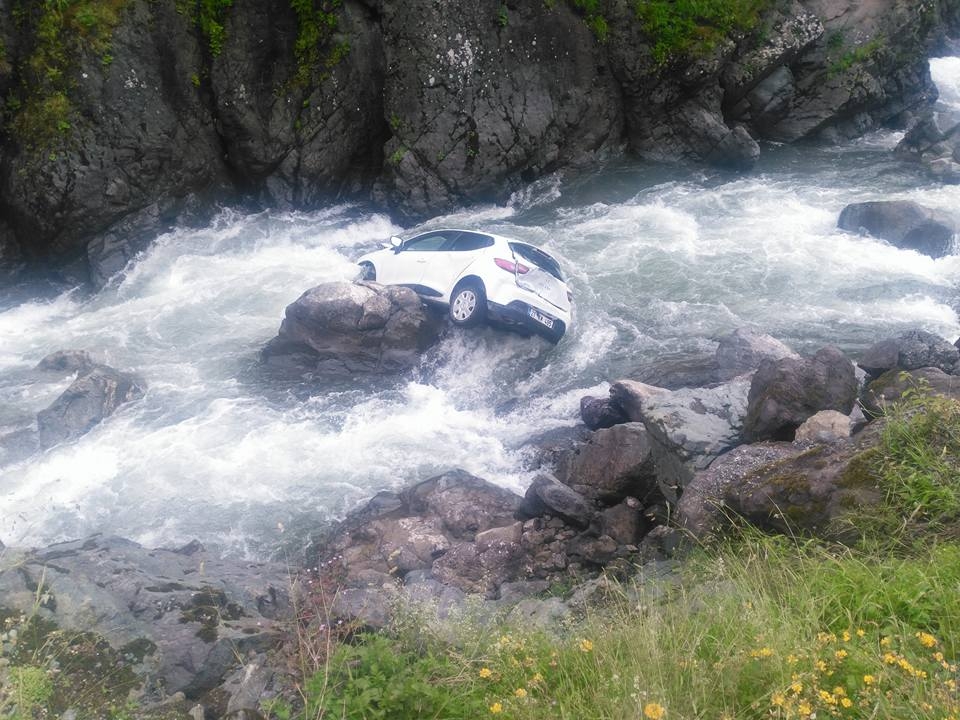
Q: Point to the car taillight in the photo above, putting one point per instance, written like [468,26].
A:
[511,267]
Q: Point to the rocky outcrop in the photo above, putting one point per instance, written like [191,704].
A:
[902,223]
[185,614]
[934,142]
[784,393]
[741,351]
[154,113]
[342,329]
[911,350]
[613,463]
[891,387]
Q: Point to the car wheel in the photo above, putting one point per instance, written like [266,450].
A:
[368,273]
[468,304]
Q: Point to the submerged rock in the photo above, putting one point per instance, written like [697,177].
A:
[902,223]
[344,329]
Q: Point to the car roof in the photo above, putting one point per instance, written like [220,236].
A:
[495,236]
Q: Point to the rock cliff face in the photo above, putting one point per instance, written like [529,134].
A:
[123,117]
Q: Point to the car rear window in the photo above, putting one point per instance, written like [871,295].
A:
[471,241]
[537,257]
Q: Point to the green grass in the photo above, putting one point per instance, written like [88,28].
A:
[694,27]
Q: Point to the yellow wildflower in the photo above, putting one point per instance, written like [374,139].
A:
[839,691]
[797,687]
[869,679]
[586,645]
[926,639]
[763,652]
[485,672]
[538,678]
[846,702]
[805,708]
[884,641]
[654,711]
[846,636]
[520,692]
[792,659]
[861,632]
[496,708]
[840,654]
[778,700]
[827,697]
[821,666]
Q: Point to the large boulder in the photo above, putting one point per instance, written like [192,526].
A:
[344,329]
[598,413]
[547,495]
[191,615]
[785,392]
[902,223]
[742,351]
[690,427]
[96,393]
[911,351]
[612,464]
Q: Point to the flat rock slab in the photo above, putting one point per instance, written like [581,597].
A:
[189,614]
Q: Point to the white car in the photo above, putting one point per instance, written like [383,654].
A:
[478,276]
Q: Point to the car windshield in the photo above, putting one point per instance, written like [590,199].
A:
[537,257]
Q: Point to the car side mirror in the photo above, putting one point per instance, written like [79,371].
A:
[396,243]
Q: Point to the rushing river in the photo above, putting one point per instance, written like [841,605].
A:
[661,262]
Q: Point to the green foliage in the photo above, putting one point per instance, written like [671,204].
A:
[315,26]
[918,464]
[397,155]
[503,19]
[62,31]
[852,57]
[593,17]
[210,18]
[694,27]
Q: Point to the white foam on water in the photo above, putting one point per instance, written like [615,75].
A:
[945,72]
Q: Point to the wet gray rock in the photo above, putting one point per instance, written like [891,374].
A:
[785,392]
[341,329]
[902,223]
[911,351]
[613,463]
[95,395]
[689,427]
[599,413]
[546,495]
[189,615]
[742,351]
[624,522]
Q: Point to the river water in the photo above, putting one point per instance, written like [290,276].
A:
[661,261]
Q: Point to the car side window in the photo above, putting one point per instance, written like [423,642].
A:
[428,243]
[471,241]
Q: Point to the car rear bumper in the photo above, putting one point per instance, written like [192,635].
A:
[517,314]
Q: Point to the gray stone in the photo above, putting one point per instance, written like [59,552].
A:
[624,522]
[506,534]
[690,427]
[902,223]
[890,387]
[911,350]
[546,495]
[784,393]
[550,614]
[95,395]
[824,427]
[598,413]
[64,361]
[741,351]
[343,329]
[613,463]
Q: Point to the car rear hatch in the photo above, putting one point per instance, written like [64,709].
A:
[544,277]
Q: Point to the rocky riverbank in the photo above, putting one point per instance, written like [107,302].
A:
[761,433]
[148,113]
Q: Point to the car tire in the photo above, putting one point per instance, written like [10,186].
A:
[368,273]
[468,304]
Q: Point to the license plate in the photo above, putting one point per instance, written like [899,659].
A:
[541,318]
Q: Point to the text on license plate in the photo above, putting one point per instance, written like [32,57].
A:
[541,318]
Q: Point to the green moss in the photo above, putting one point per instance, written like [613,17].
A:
[62,31]
[694,27]
[316,24]
[595,20]
[840,60]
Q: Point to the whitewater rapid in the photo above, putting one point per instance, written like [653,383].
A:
[661,261]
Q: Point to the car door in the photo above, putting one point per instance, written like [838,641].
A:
[451,261]
[406,267]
